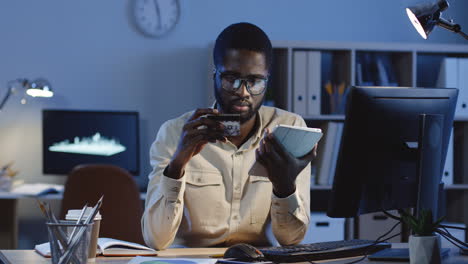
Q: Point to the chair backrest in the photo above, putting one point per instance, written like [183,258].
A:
[121,208]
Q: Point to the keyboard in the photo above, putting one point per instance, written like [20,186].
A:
[323,250]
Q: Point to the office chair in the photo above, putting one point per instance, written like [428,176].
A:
[121,209]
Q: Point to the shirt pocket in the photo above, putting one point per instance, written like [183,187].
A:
[204,192]
[260,204]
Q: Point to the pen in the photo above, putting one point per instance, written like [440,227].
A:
[57,232]
[77,222]
[43,210]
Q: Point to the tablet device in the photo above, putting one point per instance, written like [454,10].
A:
[297,140]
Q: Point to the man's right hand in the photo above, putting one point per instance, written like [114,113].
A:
[196,133]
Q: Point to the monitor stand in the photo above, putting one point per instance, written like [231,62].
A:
[429,157]
[429,163]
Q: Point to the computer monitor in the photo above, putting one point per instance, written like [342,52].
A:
[73,137]
[381,165]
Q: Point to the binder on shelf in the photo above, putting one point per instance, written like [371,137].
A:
[307,82]
[364,69]
[325,152]
[448,74]
[453,74]
[300,82]
[314,72]
[323,228]
[336,150]
[370,226]
[447,175]
[463,83]
[317,162]
[382,73]
[359,75]
[386,73]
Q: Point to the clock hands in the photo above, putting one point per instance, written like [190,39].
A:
[158,13]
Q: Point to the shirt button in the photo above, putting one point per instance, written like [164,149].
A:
[234,217]
[237,188]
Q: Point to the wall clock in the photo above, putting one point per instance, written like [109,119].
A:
[156,18]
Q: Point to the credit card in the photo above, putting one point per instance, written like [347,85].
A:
[231,123]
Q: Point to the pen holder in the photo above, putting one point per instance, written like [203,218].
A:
[69,242]
[74,215]
[5,183]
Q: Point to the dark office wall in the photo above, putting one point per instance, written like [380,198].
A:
[96,59]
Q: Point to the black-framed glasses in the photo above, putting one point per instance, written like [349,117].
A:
[232,82]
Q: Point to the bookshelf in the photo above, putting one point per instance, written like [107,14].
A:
[345,63]
[414,65]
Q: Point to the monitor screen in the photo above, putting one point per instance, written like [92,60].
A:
[71,138]
[377,167]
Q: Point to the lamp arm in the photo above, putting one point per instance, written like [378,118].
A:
[11,90]
[463,35]
[456,28]
[7,95]
[448,25]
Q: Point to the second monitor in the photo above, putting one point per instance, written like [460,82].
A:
[381,156]
[75,137]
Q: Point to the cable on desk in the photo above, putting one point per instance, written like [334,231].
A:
[378,240]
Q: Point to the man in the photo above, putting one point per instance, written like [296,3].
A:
[200,189]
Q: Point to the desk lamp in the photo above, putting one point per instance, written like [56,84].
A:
[37,88]
[427,15]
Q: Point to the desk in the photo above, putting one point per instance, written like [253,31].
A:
[30,256]
[9,219]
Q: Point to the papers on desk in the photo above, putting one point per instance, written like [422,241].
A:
[153,260]
[36,189]
[116,247]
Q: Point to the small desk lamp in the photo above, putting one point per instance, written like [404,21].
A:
[427,15]
[37,88]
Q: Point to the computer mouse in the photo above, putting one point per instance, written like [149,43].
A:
[243,252]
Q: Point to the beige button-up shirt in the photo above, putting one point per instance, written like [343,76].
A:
[217,202]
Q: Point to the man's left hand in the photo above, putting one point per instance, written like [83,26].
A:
[283,168]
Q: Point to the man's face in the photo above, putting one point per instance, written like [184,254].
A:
[242,64]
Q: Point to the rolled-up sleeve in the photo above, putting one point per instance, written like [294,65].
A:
[164,199]
[290,215]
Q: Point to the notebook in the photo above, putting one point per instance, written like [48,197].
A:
[36,189]
[108,247]
[115,247]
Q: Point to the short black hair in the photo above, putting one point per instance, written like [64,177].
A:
[242,36]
